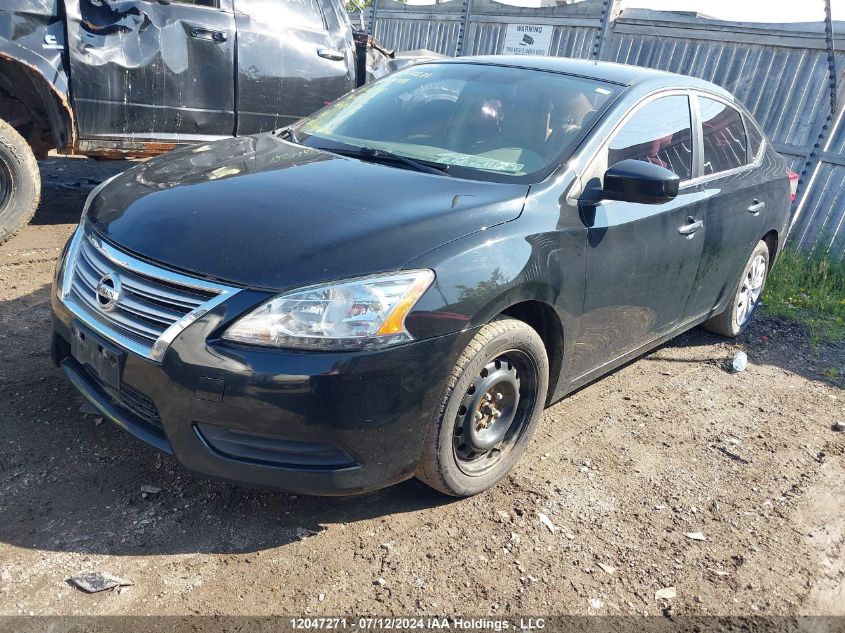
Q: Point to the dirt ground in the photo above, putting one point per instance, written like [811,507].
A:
[750,465]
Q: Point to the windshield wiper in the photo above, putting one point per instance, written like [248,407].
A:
[287,133]
[372,153]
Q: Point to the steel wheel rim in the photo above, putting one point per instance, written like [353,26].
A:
[494,413]
[750,289]
[5,184]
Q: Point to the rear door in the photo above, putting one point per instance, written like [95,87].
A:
[736,198]
[144,71]
[294,57]
[641,259]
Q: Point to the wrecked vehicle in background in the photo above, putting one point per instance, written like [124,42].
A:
[133,78]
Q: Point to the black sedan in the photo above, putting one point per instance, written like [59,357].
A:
[399,284]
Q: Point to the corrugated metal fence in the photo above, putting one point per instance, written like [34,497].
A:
[780,72]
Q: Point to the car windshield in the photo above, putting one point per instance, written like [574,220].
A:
[478,121]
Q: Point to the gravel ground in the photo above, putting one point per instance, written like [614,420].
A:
[670,473]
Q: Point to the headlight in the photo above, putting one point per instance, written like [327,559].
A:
[356,314]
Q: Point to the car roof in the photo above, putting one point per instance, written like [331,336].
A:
[622,74]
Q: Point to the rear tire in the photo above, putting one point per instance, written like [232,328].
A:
[737,315]
[492,401]
[20,182]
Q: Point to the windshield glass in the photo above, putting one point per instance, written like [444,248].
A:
[481,121]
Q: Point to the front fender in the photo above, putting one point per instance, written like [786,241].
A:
[33,68]
[538,257]
[482,275]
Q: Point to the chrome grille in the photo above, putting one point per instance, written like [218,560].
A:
[153,304]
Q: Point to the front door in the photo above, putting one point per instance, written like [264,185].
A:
[641,259]
[144,71]
[294,57]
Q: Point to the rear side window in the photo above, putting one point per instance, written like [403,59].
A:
[303,14]
[724,137]
[660,133]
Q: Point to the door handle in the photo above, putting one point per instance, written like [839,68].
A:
[756,207]
[207,34]
[690,229]
[328,53]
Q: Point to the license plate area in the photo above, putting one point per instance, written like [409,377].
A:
[103,358]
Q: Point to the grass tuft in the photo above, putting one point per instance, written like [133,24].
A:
[809,289]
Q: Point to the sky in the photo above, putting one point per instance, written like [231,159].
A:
[748,10]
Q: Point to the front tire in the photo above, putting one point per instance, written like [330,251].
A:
[20,182]
[736,316]
[491,404]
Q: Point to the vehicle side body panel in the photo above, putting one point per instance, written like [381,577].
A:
[500,265]
[149,72]
[281,74]
[742,205]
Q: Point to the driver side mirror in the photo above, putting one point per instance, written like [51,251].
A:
[638,181]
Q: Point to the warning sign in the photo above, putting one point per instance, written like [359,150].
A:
[528,39]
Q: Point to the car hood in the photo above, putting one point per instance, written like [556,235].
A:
[261,212]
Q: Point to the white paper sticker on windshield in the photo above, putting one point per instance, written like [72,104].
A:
[477,162]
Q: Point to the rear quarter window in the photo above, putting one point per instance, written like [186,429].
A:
[755,139]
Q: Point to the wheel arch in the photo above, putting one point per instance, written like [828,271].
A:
[543,318]
[50,116]
[519,278]
[772,240]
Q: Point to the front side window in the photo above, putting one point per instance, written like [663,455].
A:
[660,132]
[724,136]
[480,121]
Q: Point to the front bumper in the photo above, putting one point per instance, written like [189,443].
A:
[317,423]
